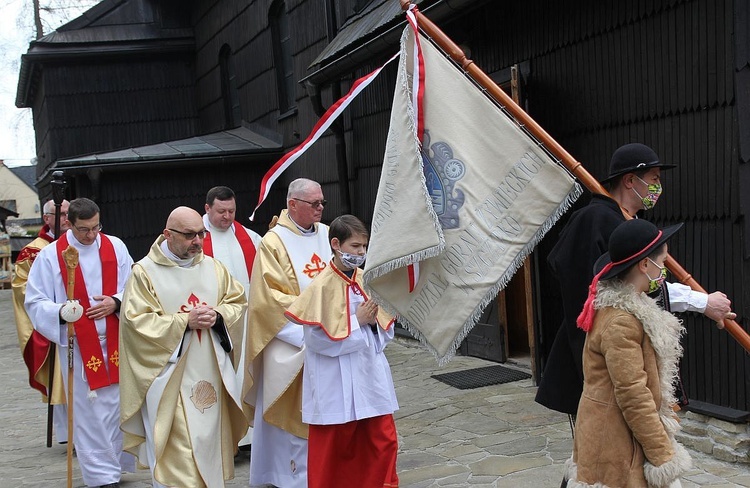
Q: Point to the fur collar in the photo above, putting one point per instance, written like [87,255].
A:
[663,329]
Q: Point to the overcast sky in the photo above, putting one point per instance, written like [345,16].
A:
[16,31]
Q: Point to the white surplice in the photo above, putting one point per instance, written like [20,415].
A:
[348,379]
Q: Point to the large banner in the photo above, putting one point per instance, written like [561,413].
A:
[468,204]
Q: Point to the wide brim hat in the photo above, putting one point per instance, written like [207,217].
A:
[630,242]
[632,158]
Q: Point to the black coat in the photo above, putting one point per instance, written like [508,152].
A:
[582,241]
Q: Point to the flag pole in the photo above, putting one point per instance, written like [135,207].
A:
[58,195]
[574,166]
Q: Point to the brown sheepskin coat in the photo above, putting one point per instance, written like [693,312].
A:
[625,426]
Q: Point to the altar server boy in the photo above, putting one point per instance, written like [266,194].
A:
[348,397]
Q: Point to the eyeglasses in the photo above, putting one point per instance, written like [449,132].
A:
[316,203]
[190,235]
[86,230]
[62,214]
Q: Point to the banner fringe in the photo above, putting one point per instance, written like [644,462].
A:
[430,252]
[575,192]
[405,86]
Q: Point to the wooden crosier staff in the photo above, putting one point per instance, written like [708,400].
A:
[70,255]
[575,167]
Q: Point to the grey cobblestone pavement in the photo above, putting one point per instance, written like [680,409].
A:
[494,436]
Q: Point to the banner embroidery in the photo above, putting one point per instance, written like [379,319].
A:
[442,171]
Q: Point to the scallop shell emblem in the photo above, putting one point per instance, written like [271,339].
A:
[203,395]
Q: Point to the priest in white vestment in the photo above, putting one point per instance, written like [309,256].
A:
[290,255]
[235,246]
[103,269]
[181,407]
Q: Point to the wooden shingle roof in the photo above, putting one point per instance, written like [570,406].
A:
[110,28]
[244,142]
[371,33]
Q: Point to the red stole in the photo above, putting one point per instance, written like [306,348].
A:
[246,244]
[85,328]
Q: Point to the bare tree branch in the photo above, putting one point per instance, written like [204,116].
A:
[38,20]
[54,13]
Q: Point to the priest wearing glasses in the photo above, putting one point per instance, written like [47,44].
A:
[181,409]
[103,269]
[291,254]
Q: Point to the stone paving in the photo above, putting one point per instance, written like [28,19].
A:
[494,436]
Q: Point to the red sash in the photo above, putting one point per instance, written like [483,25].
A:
[246,244]
[85,328]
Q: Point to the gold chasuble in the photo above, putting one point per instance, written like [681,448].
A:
[318,304]
[286,262]
[177,385]
[34,346]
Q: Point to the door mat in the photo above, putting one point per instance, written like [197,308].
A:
[478,377]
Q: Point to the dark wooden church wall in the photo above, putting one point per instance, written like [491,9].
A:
[660,73]
[370,119]
[41,130]
[237,25]
[670,86]
[112,105]
[137,212]
[308,27]
[245,29]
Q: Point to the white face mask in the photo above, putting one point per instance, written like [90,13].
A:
[352,260]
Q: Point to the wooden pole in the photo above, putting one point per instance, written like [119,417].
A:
[575,167]
[58,195]
[731,326]
[70,255]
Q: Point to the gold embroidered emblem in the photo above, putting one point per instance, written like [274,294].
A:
[314,268]
[94,363]
[115,358]
[203,395]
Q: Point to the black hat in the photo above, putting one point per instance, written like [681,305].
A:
[630,242]
[633,157]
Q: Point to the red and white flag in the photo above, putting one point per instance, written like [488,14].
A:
[325,121]
[467,203]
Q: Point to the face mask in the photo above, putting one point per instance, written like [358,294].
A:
[655,283]
[654,191]
[352,260]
